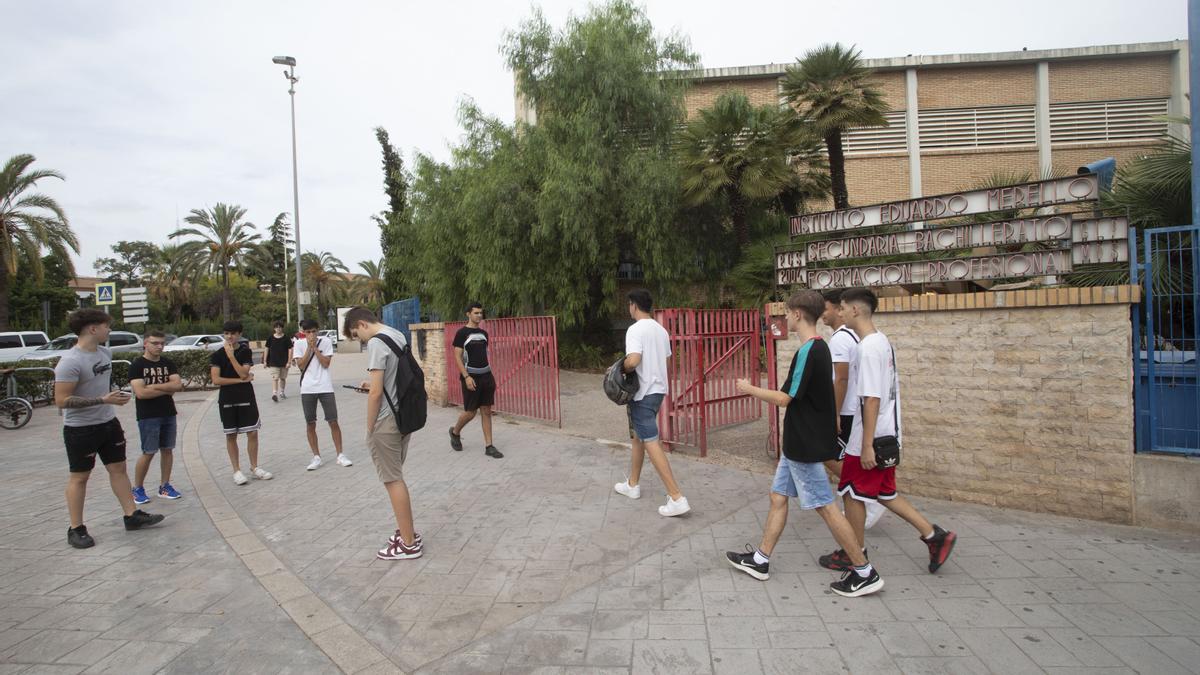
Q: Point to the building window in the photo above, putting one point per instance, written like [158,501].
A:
[1107,121]
[877,140]
[978,128]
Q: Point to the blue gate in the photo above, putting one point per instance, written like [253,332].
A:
[1165,332]
[401,313]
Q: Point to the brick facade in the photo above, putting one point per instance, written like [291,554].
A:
[943,172]
[1024,401]
[430,352]
[762,91]
[977,86]
[1109,80]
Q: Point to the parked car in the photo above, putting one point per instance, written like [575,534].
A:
[14,345]
[209,343]
[118,341]
[331,334]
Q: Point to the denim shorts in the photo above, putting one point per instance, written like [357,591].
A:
[806,481]
[643,417]
[158,433]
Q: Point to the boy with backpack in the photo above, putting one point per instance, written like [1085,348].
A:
[391,389]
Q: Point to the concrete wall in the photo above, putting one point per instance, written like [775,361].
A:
[1019,399]
[429,348]
[1167,492]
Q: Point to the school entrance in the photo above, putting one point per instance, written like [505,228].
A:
[711,349]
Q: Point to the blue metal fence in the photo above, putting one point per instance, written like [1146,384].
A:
[1166,327]
[401,313]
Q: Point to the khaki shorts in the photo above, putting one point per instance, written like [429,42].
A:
[389,448]
[278,373]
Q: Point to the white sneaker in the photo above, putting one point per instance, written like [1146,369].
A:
[314,464]
[239,478]
[344,460]
[674,507]
[875,511]
[631,491]
[262,474]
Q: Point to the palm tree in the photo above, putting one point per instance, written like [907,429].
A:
[368,288]
[174,278]
[746,155]
[29,222]
[324,274]
[222,238]
[832,90]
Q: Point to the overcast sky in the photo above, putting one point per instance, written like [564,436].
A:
[151,109]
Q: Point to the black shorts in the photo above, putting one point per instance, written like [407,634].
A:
[308,402]
[84,443]
[844,437]
[484,394]
[239,417]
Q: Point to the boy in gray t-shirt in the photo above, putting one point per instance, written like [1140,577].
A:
[82,383]
[388,446]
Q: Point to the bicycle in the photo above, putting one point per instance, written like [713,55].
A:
[15,412]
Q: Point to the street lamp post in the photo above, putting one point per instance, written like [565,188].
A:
[290,74]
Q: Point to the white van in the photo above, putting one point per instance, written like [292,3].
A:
[14,345]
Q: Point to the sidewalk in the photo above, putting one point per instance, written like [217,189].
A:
[532,563]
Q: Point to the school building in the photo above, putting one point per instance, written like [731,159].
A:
[957,119]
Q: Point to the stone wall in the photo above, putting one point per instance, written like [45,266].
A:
[1019,399]
[429,348]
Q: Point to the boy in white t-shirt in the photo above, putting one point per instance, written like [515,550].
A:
[879,415]
[647,346]
[313,355]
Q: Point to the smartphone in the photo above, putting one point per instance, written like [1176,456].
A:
[358,389]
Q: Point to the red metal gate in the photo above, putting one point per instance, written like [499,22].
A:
[523,353]
[710,350]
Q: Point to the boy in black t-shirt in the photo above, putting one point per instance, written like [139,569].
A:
[475,376]
[230,370]
[276,357]
[155,379]
[809,439]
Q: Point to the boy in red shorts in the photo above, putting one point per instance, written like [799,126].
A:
[878,416]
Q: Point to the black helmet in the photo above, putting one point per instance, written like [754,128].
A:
[619,386]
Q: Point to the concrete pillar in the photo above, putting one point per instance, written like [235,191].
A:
[1041,114]
[912,133]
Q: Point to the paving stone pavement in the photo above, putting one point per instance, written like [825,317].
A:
[533,564]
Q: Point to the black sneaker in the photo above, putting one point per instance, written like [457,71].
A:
[745,562]
[141,519]
[940,545]
[852,585]
[455,440]
[838,560]
[79,537]
[492,452]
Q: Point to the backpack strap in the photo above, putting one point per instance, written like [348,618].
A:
[399,352]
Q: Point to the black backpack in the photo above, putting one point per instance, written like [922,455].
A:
[619,386]
[410,409]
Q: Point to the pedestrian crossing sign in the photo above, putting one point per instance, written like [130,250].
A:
[106,293]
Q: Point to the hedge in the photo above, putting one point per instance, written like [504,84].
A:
[38,386]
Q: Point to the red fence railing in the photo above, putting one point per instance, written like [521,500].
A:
[710,350]
[523,354]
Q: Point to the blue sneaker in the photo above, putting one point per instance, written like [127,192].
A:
[139,496]
[167,491]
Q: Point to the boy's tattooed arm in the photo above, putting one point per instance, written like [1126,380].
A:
[81,402]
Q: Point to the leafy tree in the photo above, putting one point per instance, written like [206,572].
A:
[271,261]
[561,196]
[367,288]
[132,263]
[746,156]
[393,223]
[175,278]
[835,93]
[221,239]
[28,293]
[29,223]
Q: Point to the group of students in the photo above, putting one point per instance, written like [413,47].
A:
[839,397]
